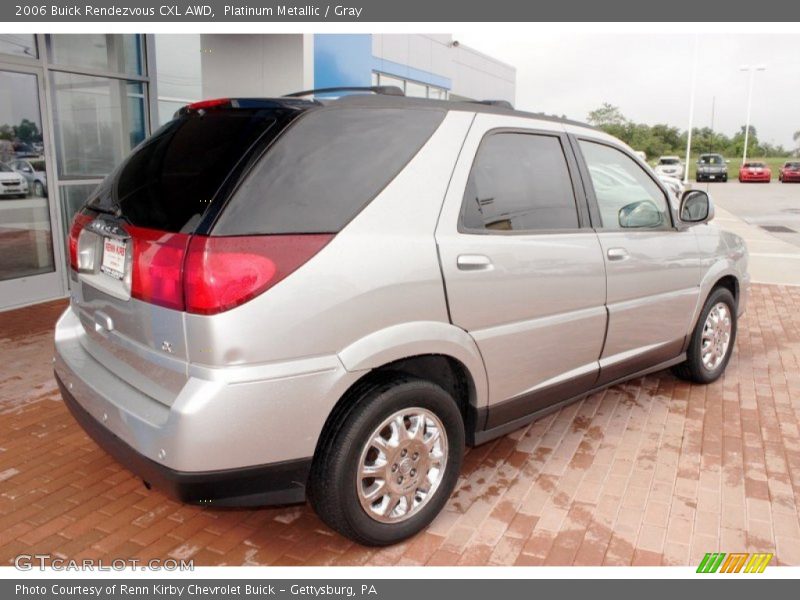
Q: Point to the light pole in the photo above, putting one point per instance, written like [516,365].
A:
[691,113]
[752,69]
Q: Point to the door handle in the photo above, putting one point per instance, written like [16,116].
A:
[617,254]
[474,262]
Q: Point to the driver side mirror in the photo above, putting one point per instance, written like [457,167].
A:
[643,214]
[696,207]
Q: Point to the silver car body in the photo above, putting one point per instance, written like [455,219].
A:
[533,319]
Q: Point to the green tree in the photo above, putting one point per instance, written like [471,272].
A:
[607,115]
[28,131]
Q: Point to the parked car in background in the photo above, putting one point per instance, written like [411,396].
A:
[672,166]
[755,171]
[790,172]
[33,171]
[12,184]
[711,167]
[280,299]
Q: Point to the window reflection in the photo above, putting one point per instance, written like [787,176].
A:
[103,52]
[97,121]
[25,241]
[19,44]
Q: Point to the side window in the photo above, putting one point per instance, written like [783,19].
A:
[626,196]
[519,182]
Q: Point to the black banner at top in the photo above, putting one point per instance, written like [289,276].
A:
[394,11]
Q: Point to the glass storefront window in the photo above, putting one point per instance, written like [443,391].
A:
[19,44]
[416,90]
[117,53]
[410,88]
[97,123]
[26,246]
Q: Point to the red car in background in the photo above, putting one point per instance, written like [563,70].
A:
[755,171]
[789,172]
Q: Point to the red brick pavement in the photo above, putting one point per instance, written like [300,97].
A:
[652,472]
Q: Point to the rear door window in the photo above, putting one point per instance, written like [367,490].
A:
[325,168]
[519,182]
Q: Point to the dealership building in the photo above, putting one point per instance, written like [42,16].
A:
[73,106]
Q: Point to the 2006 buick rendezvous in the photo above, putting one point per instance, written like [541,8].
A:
[279,299]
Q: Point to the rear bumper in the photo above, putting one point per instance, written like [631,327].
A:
[232,436]
[279,483]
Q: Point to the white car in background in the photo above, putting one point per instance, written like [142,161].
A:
[12,184]
[671,166]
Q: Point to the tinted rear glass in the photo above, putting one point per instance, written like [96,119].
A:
[169,181]
[325,169]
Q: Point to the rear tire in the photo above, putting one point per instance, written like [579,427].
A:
[711,344]
[409,433]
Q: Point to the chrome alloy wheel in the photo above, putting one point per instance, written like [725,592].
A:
[402,465]
[716,336]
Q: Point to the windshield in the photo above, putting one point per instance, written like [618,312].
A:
[5,168]
[754,165]
[169,181]
[713,159]
[669,161]
[792,165]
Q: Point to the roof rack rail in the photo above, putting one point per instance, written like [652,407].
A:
[500,103]
[383,90]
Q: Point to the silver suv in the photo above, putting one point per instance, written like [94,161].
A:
[282,299]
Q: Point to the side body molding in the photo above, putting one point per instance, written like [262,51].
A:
[415,339]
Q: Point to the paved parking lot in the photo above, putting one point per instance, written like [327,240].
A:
[652,472]
[750,207]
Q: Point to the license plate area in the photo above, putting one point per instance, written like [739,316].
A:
[114,254]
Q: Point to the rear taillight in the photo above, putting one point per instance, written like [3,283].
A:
[209,275]
[157,266]
[223,272]
[79,221]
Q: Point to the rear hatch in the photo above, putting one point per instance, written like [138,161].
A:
[128,243]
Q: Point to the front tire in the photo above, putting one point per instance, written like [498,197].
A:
[390,463]
[711,344]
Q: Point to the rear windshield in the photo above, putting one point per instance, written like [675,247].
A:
[170,180]
[325,168]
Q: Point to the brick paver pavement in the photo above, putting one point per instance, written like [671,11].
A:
[655,471]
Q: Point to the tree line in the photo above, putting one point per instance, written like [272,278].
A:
[658,140]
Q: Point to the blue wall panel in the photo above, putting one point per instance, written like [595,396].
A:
[346,60]
[342,60]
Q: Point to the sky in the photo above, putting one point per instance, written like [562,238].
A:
[649,77]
